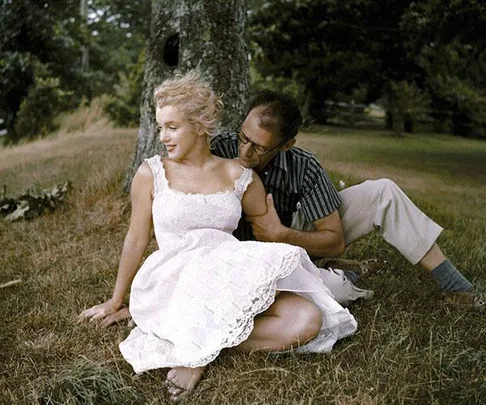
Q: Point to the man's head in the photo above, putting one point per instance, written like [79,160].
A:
[270,126]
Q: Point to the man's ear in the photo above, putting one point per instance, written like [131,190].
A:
[288,145]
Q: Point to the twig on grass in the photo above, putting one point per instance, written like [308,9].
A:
[11,283]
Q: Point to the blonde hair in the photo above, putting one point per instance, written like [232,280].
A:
[194,97]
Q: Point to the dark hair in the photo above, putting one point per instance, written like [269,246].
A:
[278,112]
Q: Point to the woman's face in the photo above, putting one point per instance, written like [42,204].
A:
[176,133]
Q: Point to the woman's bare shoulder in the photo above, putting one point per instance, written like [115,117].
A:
[232,167]
[144,178]
[144,171]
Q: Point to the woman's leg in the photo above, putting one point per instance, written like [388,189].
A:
[291,321]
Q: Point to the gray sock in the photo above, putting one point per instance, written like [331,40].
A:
[352,276]
[450,279]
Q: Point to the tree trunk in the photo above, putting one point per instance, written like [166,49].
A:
[187,34]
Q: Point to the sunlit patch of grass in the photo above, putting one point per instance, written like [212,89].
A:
[410,347]
[87,116]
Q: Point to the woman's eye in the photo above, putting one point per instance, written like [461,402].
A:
[172,127]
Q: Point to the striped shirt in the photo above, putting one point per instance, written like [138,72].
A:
[293,177]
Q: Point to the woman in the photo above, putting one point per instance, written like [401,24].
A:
[203,290]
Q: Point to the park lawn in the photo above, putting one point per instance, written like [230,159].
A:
[410,347]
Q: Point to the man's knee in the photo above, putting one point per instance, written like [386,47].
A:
[381,185]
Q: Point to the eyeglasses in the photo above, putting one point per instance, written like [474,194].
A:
[259,150]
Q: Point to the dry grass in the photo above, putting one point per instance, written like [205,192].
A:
[410,348]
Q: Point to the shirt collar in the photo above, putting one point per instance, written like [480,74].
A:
[280,161]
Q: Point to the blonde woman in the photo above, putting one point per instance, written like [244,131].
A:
[203,290]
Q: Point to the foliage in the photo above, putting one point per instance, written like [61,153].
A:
[444,38]
[34,34]
[123,106]
[465,104]
[31,204]
[53,34]
[44,100]
[332,49]
[405,104]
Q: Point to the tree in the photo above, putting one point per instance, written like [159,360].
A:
[34,40]
[331,49]
[208,35]
[444,37]
[41,55]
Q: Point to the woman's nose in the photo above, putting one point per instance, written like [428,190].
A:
[164,136]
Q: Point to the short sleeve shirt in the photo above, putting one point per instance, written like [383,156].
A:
[293,177]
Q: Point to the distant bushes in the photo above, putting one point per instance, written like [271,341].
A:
[123,106]
[464,107]
[39,108]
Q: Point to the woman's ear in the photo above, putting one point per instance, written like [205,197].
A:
[200,130]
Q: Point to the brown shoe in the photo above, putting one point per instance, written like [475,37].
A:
[465,299]
[364,268]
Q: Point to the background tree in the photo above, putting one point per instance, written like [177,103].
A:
[40,56]
[445,38]
[184,35]
[363,48]
[37,55]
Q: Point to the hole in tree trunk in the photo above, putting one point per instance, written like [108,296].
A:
[171,50]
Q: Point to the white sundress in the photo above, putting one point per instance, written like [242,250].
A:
[199,293]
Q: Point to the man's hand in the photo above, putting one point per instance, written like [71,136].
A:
[267,227]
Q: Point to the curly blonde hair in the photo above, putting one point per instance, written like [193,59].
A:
[194,97]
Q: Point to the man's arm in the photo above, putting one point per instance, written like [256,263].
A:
[326,241]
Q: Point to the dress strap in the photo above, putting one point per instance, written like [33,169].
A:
[242,183]
[160,180]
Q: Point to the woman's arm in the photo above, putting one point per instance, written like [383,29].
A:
[134,246]
[254,200]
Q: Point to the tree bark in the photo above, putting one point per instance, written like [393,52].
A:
[187,34]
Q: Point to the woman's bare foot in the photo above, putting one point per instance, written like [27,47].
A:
[182,379]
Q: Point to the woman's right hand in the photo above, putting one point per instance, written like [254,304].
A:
[101,311]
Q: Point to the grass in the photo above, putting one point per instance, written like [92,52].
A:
[410,347]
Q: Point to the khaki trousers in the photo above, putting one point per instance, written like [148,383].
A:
[379,205]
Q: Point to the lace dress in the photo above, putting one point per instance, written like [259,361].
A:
[200,292]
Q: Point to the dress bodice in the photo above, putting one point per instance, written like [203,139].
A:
[175,212]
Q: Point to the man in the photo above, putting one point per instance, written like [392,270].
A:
[301,195]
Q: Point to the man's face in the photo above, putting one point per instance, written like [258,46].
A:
[261,145]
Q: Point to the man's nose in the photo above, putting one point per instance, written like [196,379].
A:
[246,149]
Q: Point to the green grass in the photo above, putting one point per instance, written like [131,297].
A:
[410,347]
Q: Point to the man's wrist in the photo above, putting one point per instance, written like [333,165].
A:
[284,235]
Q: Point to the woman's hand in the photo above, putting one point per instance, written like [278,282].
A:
[105,312]
[121,315]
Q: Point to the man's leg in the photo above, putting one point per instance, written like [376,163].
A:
[291,321]
[339,282]
[381,205]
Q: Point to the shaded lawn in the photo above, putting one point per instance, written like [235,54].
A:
[410,347]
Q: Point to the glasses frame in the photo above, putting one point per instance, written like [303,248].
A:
[244,140]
